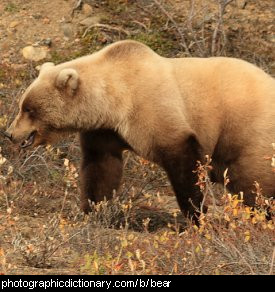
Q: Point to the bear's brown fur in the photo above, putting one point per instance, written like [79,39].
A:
[170,111]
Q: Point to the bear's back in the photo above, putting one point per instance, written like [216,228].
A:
[123,50]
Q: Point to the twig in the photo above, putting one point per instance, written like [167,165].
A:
[222,6]
[147,9]
[126,159]
[243,258]
[194,35]
[63,204]
[62,243]
[78,6]
[33,154]
[140,24]
[272,262]
[106,26]
[179,30]
[203,201]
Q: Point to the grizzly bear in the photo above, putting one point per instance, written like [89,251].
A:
[172,111]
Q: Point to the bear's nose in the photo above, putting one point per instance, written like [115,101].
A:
[7,135]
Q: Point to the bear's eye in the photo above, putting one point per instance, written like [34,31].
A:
[27,110]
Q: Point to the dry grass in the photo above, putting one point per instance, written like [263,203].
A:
[131,235]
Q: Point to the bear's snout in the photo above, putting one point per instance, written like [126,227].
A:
[20,130]
[7,135]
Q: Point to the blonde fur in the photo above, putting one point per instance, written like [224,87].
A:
[152,101]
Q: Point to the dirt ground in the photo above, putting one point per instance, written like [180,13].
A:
[42,230]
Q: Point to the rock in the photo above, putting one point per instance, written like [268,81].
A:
[35,53]
[46,42]
[37,16]
[13,24]
[87,9]
[90,20]
[68,30]
[46,20]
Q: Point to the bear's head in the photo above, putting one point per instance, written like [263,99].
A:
[47,107]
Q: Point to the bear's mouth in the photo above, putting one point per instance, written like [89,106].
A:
[29,141]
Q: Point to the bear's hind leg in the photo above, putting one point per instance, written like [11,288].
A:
[249,169]
[101,168]
[180,165]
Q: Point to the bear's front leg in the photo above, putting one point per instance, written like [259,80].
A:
[180,163]
[101,168]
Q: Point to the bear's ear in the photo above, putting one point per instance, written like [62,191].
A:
[45,65]
[67,78]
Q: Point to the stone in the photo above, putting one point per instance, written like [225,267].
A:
[87,9]
[46,20]
[46,42]
[13,24]
[35,53]
[68,30]
[37,16]
[90,20]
